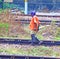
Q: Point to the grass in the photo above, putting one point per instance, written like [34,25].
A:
[3,10]
[57,34]
[26,36]
[32,51]
[4,25]
[57,38]
[40,37]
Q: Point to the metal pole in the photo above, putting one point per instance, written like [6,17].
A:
[26,6]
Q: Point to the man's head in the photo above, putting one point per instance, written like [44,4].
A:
[33,13]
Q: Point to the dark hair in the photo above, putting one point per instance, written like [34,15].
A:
[33,13]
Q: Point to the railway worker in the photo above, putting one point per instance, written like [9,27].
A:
[34,27]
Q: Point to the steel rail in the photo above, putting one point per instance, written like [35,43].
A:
[25,57]
[43,22]
[29,42]
[41,15]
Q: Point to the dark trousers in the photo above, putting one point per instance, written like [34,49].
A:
[34,39]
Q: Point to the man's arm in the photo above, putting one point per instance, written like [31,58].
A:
[36,21]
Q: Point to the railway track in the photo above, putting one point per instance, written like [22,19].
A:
[43,22]
[46,21]
[28,42]
[24,57]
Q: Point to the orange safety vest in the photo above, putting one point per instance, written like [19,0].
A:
[34,23]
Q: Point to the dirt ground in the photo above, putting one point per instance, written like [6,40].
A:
[15,27]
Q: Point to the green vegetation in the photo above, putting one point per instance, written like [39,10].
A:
[1,11]
[40,37]
[4,25]
[33,51]
[8,5]
[54,31]
[0,0]
[58,34]
[57,38]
